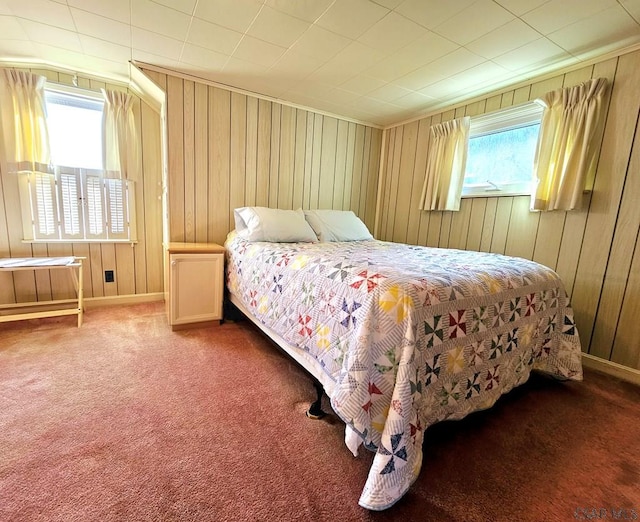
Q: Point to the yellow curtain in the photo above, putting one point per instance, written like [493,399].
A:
[567,145]
[121,147]
[446,163]
[23,122]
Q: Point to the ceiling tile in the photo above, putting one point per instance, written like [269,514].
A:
[556,14]
[44,11]
[389,4]
[140,55]
[446,88]
[532,54]
[374,106]
[476,77]
[633,8]
[389,92]
[54,36]
[520,7]
[594,34]
[277,28]
[510,36]
[431,13]
[391,68]
[159,19]
[450,64]
[234,14]
[101,27]
[293,64]
[331,74]
[308,10]
[351,18]
[455,62]
[212,36]
[361,84]
[201,57]
[320,43]
[392,33]
[103,49]
[413,100]
[17,49]
[417,79]
[422,51]
[186,6]
[342,97]
[279,80]
[115,9]
[258,52]
[10,29]
[349,62]
[476,20]
[156,44]
[366,116]
[314,89]
[358,57]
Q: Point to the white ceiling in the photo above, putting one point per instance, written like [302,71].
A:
[378,61]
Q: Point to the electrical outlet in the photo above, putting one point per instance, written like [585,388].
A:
[109,276]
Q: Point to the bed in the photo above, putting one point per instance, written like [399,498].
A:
[403,336]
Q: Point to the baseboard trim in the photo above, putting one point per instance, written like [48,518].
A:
[611,368]
[119,300]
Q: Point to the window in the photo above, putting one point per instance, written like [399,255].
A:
[501,152]
[75,129]
[74,201]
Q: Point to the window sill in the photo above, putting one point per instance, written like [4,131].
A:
[75,241]
[494,194]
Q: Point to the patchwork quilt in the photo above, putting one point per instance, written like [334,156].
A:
[408,335]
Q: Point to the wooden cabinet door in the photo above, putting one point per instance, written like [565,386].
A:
[196,283]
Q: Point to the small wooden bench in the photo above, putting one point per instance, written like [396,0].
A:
[71,263]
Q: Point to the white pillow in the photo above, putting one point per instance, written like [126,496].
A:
[337,225]
[272,224]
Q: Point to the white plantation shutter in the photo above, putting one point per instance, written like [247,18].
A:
[45,216]
[38,205]
[94,209]
[117,219]
[69,202]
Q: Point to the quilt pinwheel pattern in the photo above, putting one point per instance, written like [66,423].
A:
[408,335]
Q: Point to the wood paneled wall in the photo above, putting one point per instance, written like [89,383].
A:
[138,267]
[227,150]
[594,250]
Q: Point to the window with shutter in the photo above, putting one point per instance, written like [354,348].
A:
[75,202]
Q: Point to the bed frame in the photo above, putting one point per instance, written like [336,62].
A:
[321,382]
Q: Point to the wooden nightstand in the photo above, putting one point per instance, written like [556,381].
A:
[194,284]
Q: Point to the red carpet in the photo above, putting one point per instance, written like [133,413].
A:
[123,419]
